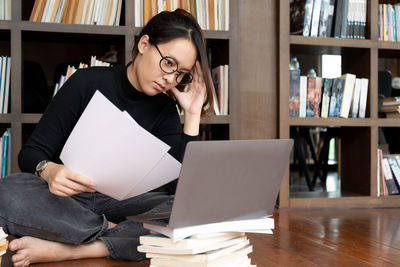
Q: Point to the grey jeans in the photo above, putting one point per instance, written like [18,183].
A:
[28,208]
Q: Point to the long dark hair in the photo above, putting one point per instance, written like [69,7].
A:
[167,26]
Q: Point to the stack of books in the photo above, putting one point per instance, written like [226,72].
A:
[216,244]
[3,243]
[391,107]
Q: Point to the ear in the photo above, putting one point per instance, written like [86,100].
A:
[144,43]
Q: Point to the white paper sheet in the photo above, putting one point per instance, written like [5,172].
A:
[165,171]
[114,151]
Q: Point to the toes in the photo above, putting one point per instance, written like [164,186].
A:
[14,245]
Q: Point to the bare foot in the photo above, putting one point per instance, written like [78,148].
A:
[111,225]
[31,250]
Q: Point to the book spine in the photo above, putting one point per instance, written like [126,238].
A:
[323,20]
[331,12]
[390,183]
[4,155]
[294,93]
[345,11]
[338,18]
[317,96]
[363,98]
[356,98]
[310,96]
[333,98]
[395,171]
[308,9]
[303,96]
[339,97]
[326,97]
[347,95]
[315,17]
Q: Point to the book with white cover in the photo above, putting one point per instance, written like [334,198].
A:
[190,251]
[363,98]
[227,226]
[303,97]
[356,98]
[347,97]
[202,257]
[228,260]
[190,242]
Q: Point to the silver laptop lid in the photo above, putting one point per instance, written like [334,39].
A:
[229,180]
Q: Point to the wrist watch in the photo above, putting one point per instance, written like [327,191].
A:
[41,166]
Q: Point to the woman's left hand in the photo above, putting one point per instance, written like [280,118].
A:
[192,99]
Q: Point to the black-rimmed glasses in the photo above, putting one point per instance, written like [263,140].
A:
[169,65]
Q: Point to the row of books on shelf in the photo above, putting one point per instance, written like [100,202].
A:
[345,96]
[3,243]
[5,153]
[94,62]
[220,77]
[216,244]
[5,9]
[391,106]
[5,77]
[339,19]
[210,14]
[388,22]
[97,12]
[388,174]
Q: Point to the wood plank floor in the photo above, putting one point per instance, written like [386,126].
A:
[352,237]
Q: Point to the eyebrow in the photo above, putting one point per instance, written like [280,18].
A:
[177,61]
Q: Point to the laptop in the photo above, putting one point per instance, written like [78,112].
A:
[224,180]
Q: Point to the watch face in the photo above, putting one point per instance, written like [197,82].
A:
[41,165]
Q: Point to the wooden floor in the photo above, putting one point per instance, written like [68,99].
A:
[354,237]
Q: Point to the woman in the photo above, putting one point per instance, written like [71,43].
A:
[56,213]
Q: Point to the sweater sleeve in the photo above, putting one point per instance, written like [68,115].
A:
[53,129]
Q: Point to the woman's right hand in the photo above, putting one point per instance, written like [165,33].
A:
[64,182]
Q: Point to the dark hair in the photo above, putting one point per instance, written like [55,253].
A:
[167,26]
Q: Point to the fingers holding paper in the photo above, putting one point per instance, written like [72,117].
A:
[64,182]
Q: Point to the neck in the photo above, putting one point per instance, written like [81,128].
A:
[131,73]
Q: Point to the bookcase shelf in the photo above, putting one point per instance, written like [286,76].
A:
[383,122]
[319,41]
[73,28]
[358,137]
[52,44]
[348,122]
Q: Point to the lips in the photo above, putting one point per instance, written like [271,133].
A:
[159,86]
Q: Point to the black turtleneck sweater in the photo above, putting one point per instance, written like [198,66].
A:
[157,114]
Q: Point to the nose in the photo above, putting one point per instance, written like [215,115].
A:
[170,77]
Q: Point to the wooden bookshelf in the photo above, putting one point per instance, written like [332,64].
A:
[54,43]
[359,136]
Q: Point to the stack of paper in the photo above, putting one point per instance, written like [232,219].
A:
[215,244]
[3,243]
[218,249]
[133,162]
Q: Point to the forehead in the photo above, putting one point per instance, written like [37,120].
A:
[183,50]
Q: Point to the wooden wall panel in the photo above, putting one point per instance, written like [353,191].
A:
[257,93]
